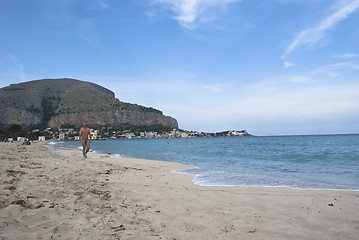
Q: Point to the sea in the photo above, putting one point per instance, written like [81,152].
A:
[304,162]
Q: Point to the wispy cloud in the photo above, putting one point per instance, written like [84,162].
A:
[14,67]
[98,5]
[347,55]
[191,13]
[309,77]
[86,30]
[288,64]
[333,70]
[280,81]
[310,36]
[81,15]
[214,88]
[299,79]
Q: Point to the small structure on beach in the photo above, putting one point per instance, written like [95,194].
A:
[20,139]
[41,138]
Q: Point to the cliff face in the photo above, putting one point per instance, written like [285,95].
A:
[68,101]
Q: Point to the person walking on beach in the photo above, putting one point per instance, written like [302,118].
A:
[85,138]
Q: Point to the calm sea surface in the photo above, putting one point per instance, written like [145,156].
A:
[315,162]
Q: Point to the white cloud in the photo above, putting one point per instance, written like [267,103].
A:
[312,76]
[288,64]
[215,87]
[300,79]
[312,35]
[347,55]
[278,82]
[191,13]
[321,102]
[333,70]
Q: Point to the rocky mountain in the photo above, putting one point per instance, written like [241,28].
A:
[58,102]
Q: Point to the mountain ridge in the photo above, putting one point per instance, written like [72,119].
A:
[67,101]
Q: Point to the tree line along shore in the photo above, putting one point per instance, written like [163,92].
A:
[16,132]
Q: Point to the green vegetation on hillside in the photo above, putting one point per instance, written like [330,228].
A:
[13,131]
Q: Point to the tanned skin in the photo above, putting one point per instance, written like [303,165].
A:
[85,138]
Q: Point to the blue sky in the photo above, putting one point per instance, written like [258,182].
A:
[271,67]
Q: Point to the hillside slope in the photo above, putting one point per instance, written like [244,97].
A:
[57,102]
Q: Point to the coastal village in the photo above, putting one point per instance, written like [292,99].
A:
[109,133]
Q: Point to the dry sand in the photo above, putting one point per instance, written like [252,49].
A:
[48,194]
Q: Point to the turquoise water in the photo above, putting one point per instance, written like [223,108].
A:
[309,162]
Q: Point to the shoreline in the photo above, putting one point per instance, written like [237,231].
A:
[177,171]
[254,186]
[110,198]
[304,172]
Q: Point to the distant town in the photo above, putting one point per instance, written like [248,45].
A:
[109,133]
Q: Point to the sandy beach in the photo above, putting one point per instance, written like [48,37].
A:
[53,194]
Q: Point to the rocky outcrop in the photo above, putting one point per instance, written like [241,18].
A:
[115,117]
[59,102]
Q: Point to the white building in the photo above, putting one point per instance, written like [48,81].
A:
[94,134]
[62,136]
